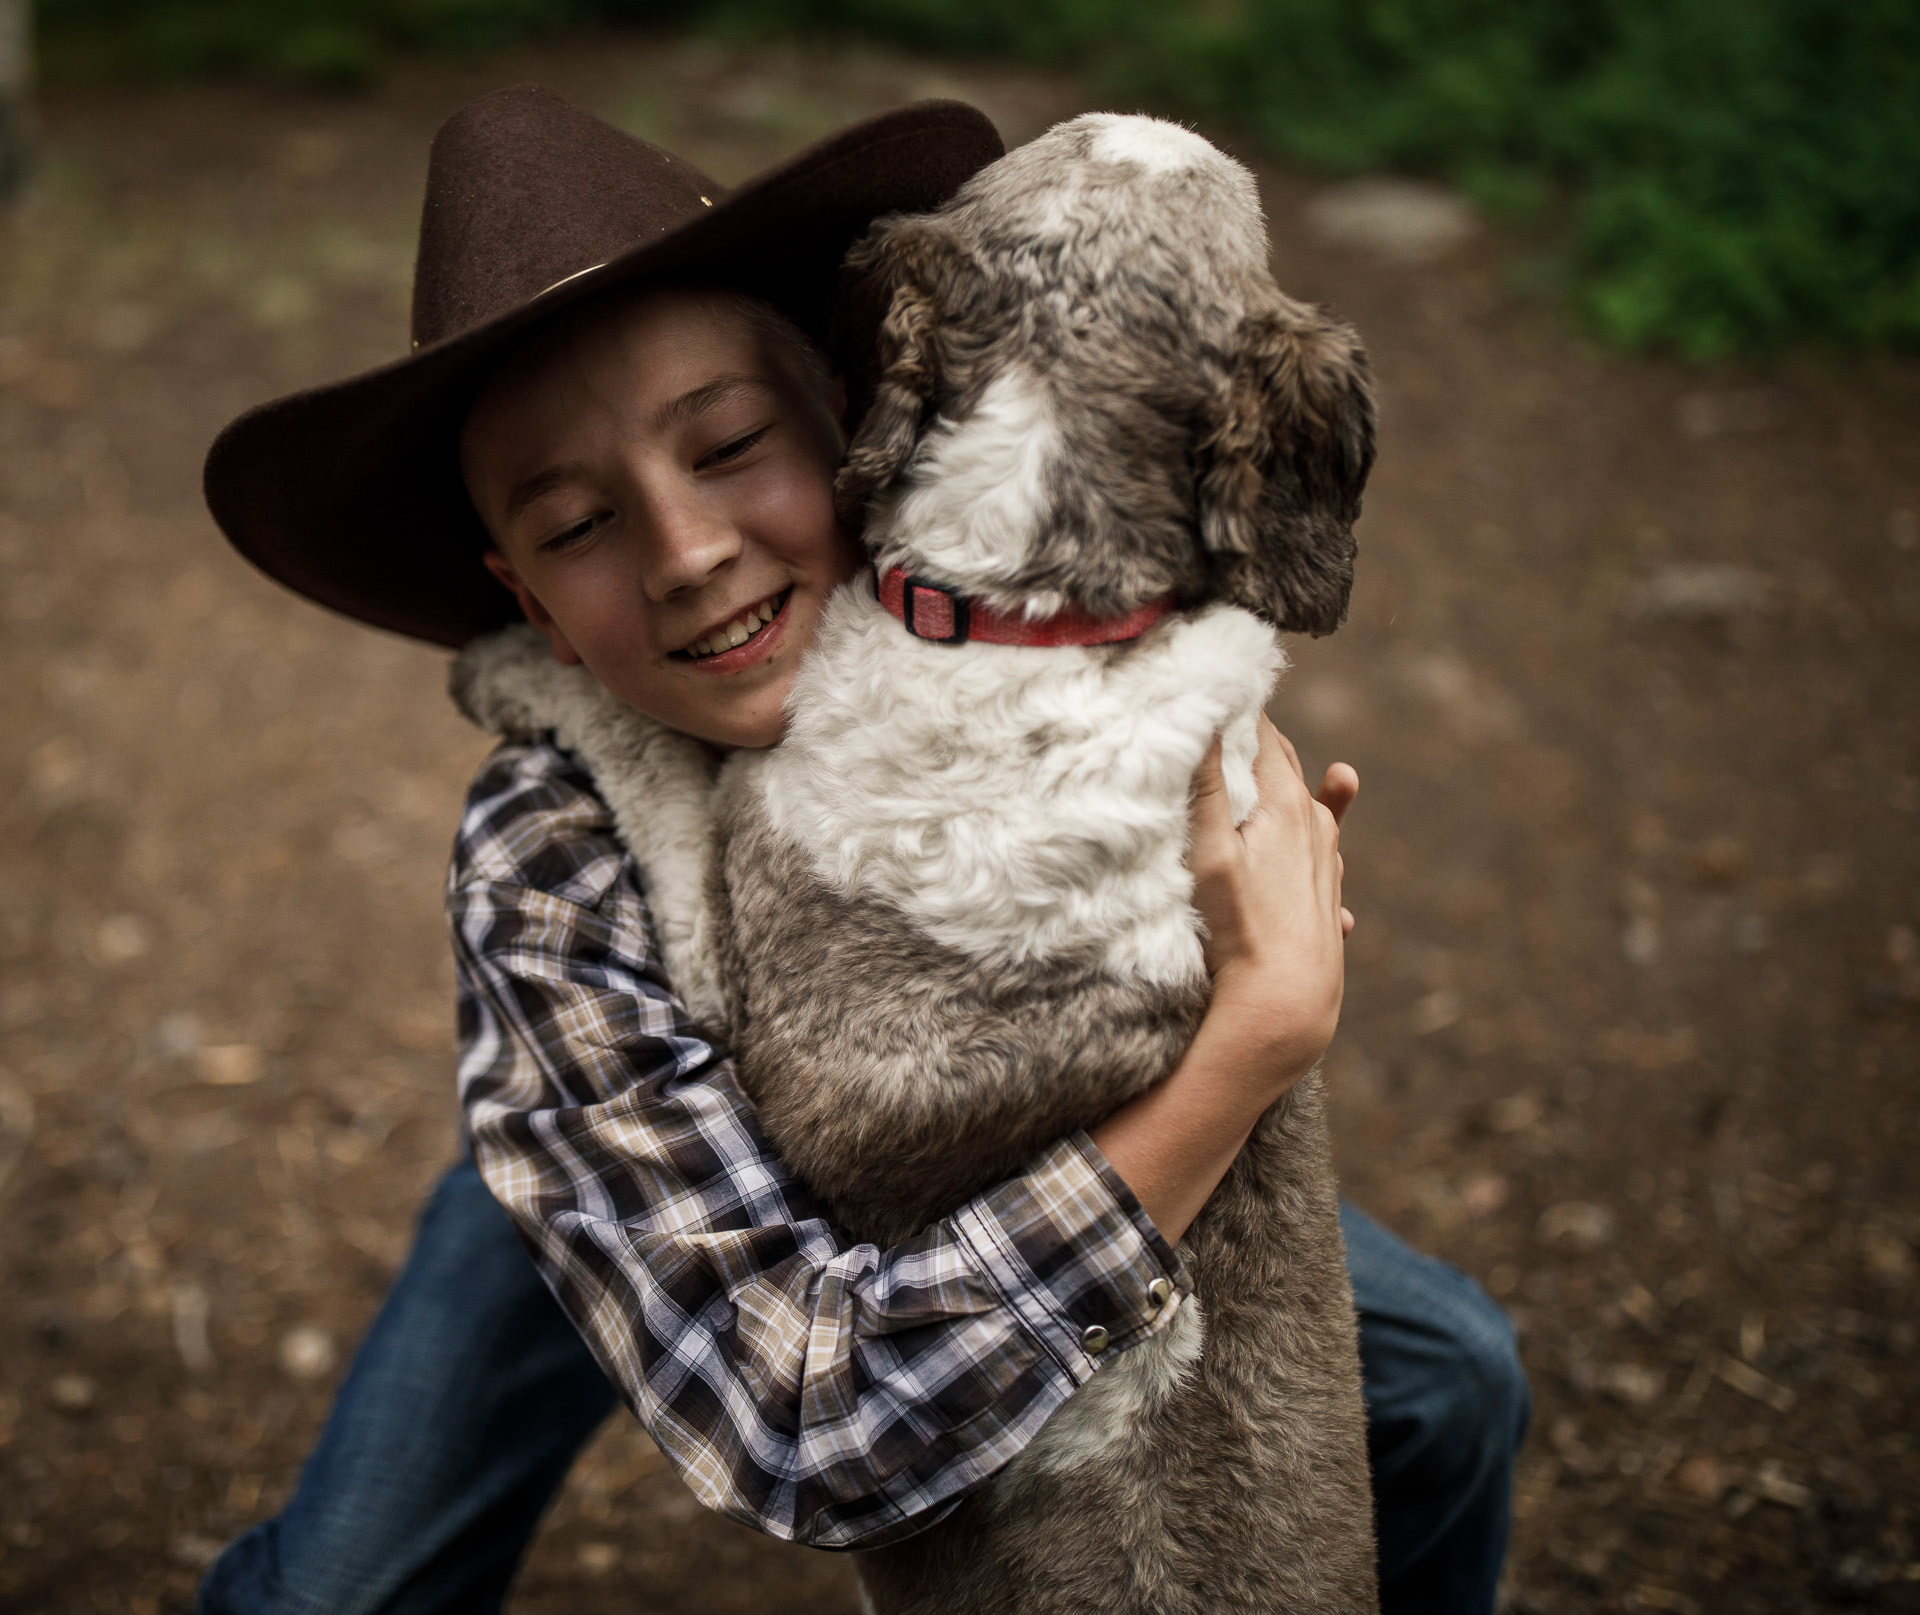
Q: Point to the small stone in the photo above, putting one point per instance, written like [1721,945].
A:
[190,1309]
[1484,1195]
[1702,1477]
[1407,221]
[1640,941]
[193,1550]
[1857,1576]
[73,1394]
[1516,1113]
[1888,1257]
[1638,1304]
[597,1558]
[1632,1383]
[178,1035]
[1436,1012]
[1719,860]
[230,1065]
[307,1353]
[119,939]
[1713,592]
[1580,1223]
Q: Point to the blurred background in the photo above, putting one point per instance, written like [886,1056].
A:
[1633,1023]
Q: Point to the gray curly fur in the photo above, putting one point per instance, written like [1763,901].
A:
[1188,387]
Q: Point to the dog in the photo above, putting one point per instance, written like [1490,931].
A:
[948,919]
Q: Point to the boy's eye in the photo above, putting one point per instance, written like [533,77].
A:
[733,448]
[568,536]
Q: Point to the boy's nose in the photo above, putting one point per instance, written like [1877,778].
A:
[688,543]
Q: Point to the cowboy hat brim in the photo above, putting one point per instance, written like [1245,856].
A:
[351,493]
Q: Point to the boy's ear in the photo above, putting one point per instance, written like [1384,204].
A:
[1281,462]
[531,609]
[896,286]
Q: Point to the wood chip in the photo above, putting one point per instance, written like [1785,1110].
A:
[1775,1485]
[1749,1381]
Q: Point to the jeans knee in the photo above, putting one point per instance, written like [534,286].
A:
[1482,1403]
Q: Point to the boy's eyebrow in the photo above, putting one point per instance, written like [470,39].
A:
[678,411]
[528,489]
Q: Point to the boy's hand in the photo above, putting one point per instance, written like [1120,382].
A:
[1269,894]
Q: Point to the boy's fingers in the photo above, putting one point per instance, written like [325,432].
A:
[1210,810]
[1274,747]
[1338,790]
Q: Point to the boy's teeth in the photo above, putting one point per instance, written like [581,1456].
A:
[737,632]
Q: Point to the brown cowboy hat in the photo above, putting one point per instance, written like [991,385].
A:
[351,493]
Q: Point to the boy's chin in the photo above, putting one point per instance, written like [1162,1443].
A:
[731,726]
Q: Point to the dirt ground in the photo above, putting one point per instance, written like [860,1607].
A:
[1634,1005]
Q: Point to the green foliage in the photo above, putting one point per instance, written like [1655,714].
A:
[1739,173]
[339,43]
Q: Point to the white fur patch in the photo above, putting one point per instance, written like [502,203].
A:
[1045,185]
[1110,1407]
[1018,802]
[977,488]
[1150,143]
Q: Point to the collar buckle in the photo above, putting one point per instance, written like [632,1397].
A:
[933,612]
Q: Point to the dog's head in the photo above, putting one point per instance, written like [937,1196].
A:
[1078,384]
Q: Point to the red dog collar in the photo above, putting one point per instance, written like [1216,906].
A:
[947,617]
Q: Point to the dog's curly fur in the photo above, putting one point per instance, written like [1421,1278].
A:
[950,917]
[1134,282]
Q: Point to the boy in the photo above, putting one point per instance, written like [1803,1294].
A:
[638,442]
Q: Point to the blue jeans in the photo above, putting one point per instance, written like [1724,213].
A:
[471,1395]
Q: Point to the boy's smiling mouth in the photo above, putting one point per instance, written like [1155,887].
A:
[744,629]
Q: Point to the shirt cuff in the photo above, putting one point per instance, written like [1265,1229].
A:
[1076,1257]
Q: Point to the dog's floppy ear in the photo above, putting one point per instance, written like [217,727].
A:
[894,292]
[1280,466]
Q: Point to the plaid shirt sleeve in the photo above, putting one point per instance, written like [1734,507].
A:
[822,1391]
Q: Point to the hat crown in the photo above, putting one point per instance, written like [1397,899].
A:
[525,191]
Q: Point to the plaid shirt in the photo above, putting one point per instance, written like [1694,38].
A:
[819,1390]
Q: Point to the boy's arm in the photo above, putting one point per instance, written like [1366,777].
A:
[822,1391]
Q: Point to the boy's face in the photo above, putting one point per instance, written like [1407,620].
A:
[657,477]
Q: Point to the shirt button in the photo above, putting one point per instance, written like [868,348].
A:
[1159,1292]
[1094,1340]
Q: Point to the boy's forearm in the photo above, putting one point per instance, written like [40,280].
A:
[1174,1144]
